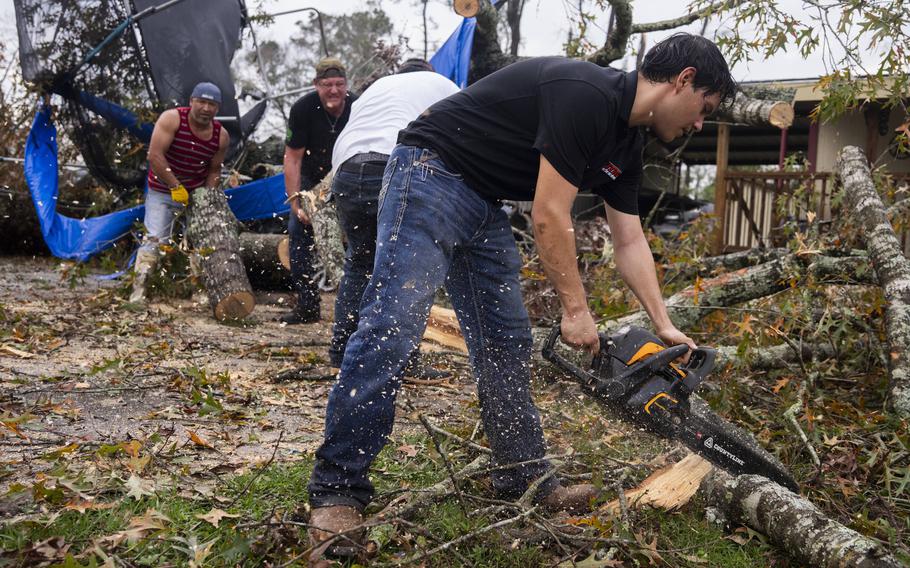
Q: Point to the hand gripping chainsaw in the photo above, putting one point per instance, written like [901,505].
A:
[634,373]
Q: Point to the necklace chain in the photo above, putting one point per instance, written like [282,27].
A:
[330,121]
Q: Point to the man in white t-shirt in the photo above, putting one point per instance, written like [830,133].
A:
[360,156]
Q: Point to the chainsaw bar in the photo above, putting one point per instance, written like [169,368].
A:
[727,447]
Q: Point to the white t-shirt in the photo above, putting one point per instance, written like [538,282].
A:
[387,106]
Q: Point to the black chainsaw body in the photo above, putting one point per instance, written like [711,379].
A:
[636,374]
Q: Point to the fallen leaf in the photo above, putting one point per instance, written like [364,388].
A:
[780,384]
[138,487]
[139,528]
[832,441]
[85,505]
[407,449]
[199,440]
[215,515]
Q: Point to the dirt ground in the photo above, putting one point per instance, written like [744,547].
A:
[79,365]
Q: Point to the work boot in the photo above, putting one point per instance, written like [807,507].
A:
[295,317]
[573,498]
[145,263]
[336,531]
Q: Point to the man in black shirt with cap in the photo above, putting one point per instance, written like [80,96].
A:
[542,129]
[314,124]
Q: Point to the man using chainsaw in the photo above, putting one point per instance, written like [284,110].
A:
[541,130]
[186,152]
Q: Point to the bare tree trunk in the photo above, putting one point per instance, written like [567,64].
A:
[487,55]
[513,16]
[791,522]
[891,266]
[212,231]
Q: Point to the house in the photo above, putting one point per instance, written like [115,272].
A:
[753,195]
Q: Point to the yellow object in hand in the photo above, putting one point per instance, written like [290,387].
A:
[180,195]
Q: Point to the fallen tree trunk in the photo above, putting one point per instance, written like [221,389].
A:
[695,302]
[891,266]
[777,356]
[791,522]
[212,232]
[727,262]
[261,255]
[744,109]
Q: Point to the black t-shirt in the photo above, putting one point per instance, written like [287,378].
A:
[311,127]
[573,112]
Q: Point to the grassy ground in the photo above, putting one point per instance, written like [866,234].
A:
[134,437]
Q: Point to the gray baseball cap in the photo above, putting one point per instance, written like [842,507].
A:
[207,91]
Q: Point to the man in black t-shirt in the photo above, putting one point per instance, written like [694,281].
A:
[314,124]
[541,129]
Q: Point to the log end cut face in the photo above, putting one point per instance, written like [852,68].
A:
[235,306]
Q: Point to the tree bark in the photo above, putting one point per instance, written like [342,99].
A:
[891,266]
[726,262]
[261,257]
[326,231]
[692,304]
[791,522]
[212,232]
[486,54]
[743,109]
[777,356]
[514,10]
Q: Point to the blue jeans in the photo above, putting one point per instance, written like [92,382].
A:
[433,230]
[356,197]
[302,250]
[160,214]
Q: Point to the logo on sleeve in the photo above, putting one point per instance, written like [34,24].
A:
[611,170]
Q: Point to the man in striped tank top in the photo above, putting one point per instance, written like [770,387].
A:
[185,153]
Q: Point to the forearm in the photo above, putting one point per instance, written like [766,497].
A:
[555,239]
[636,267]
[162,170]
[214,177]
[292,178]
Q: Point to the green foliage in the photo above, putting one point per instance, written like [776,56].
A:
[863,44]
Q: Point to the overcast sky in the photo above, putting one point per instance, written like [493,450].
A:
[544,27]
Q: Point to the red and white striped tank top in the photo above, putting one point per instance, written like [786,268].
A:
[189,156]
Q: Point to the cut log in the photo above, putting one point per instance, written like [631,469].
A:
[284,252]
[212,232]
[261,255]
[326,231]
[891,266]
[791,522]
[443,328]
[669,488]
[744,109]
[466,8]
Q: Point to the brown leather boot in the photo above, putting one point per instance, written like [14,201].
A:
[336,531]
[573,498]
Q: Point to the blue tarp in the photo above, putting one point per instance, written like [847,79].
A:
[454,57]
[79,239]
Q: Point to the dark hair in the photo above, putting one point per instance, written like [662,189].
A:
[669,57]
[414,64]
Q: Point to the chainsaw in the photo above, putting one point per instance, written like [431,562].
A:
[635,374]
